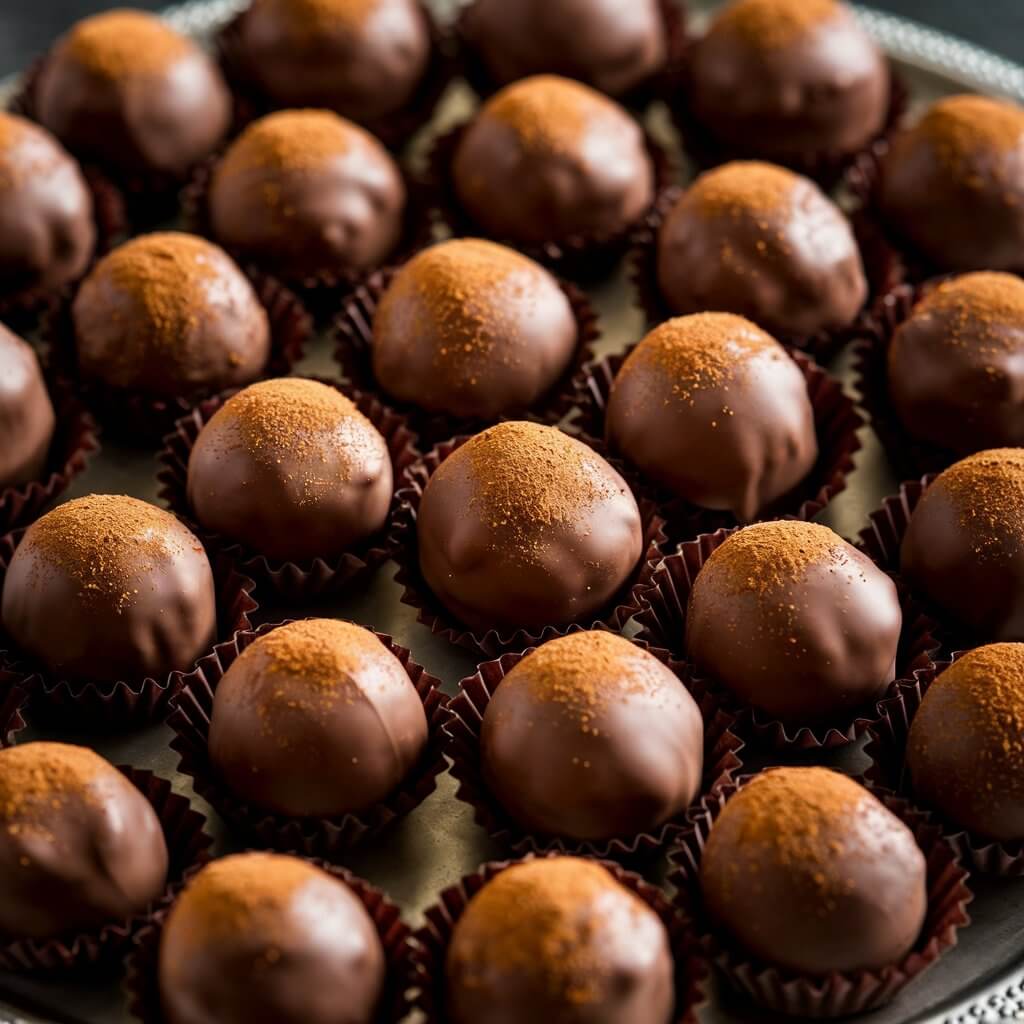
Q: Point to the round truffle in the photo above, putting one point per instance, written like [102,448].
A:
[558,939]
[80,846]
[795,621]
[106,587]
[805,869]
[264,937]
[292,469]
[548,159]
[308,194]
[765,243]
[612,46]
[965,752]
[27,420]
[363,59]
[316,718]
[592,737]
[785,79]
[472,329]
[713,409]
[953,184]
[124,89]
[524,527]
[964,545]
[169,315]
[47,231]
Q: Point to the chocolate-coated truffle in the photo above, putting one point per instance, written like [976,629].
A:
[525,527]
[547,159]
[80,846]
[795,621]
[610,45]
[558,939]
[107,588]
[591,737]
[805,869]
[169,315]
[47,231]
[763,242]
[953,184]
[259,938]
[316,718]
[124,89]
[307,193]
[782,79]
[712,408]
[964,545]
[956,365]
[472,329]
[27,419]
[293,469]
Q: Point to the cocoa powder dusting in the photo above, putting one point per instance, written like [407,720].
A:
[771,24]
[741,189]
[966,129]
[37,779]
[125,42]
[305,19]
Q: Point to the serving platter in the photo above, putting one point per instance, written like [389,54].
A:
[982,980]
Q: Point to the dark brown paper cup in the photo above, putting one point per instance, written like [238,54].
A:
[13,701]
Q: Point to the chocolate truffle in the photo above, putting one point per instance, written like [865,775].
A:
[610,45]
[547,159]
[965,752]
[964,545]
[805,869]
[712,408]
[47,231]
[363,59]
[316,718]
[27,419]
[108,588]
[795,621]
[763,242]
[307,193]
[80,846]
[169,315]
[784,79]
[471,329]
[558,939]
[257,938]
[525,527]
[591,737]
[952,185]
[293,469]
[126,90]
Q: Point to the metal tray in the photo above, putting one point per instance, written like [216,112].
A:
[981,980]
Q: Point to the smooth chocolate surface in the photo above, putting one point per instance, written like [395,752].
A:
[27,418]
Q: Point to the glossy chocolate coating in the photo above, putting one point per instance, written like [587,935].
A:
[126,90]
[291,468]
[526,527]
[27,419]
[107,588]
[363,60]
[712,408]
[259,938]
[169,315]
[305,193]
[964,545]
[558,939]
[953,184]
[47,231]
[765,243]
[80,846]
[316,718]
[795,621]
[591,737]
[781,79]
[472,329]
[547,159]
[805,869]
[612,46]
